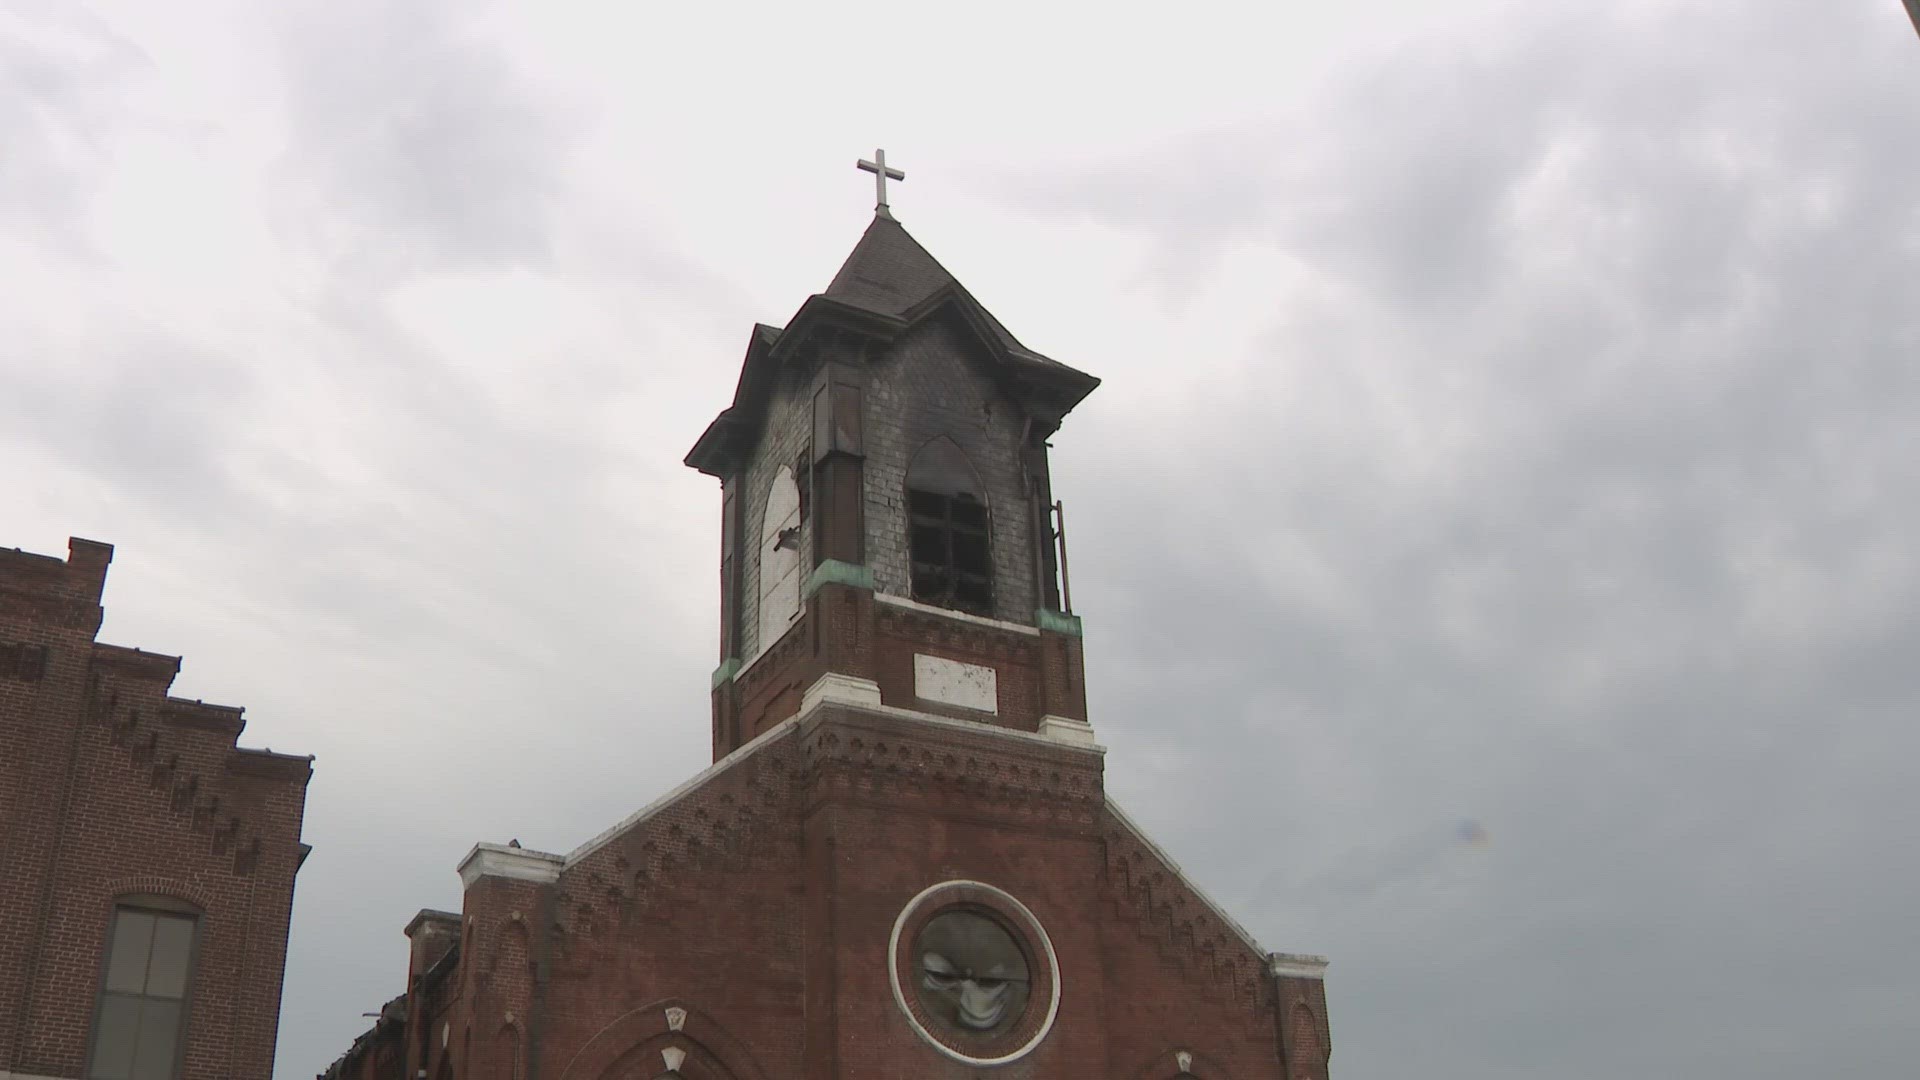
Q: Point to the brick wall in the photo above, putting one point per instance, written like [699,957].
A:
[758,905]
[111,788]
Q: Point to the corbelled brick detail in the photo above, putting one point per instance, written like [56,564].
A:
[184,754]
[111,788]
[723,827]
[757,901]
[1185,930]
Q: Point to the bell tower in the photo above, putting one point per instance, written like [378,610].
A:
[923,872]
[887,512]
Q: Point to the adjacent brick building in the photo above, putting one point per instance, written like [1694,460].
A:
[147,861]
[903,862]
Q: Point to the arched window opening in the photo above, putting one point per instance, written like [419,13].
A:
[948,531]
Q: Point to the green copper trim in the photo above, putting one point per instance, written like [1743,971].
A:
[835,572]
[1058,622]
[725,672]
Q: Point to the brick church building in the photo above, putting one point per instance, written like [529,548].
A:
[147,860]
[902,862]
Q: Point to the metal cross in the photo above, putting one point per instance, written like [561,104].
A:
[881,174]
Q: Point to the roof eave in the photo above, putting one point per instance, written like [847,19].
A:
[823,310]
[1063,386]
[718,450]
[715,452]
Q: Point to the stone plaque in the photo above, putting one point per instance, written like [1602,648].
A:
[950,682]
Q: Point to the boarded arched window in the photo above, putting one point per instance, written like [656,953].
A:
[949,541]
[779,559]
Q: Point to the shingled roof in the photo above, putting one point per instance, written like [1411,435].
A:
[889,273]
[888,283]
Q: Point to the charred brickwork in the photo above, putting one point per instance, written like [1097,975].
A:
[117,797]
[935,384]
[784,445]
[881,746]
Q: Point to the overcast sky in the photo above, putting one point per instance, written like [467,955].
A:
[1496,534]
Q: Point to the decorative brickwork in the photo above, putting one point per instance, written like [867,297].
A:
[1186,930]
[110,789]
[760,898]
[24,663]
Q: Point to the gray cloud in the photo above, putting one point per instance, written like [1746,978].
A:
[1578,512]
[1563,491]
[328,512]
[414,142]
[65,84]
[152,413]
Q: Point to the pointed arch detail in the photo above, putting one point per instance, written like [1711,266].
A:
[632,1045]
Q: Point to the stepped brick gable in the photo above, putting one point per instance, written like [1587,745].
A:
[902,861]
[149,860]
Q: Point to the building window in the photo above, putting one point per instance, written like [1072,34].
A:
[949,538]
[142,1012]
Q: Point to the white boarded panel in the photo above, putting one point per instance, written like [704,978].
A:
[950,682]
[779,564]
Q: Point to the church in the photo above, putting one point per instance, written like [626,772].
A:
[902,861]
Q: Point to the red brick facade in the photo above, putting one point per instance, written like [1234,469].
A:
[880,761]
[854,631]
[760,901]
[113,792]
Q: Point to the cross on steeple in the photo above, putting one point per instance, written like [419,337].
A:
[881,174]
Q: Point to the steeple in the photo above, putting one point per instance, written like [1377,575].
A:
[887,505]
[889,282]
[923,872]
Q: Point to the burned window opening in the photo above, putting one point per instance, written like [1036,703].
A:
[948,540]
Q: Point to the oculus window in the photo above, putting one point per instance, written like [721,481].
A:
[974,972]
[970,971]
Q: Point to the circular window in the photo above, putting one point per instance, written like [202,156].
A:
[974,972]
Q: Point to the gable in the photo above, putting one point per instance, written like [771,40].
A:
[1208,944]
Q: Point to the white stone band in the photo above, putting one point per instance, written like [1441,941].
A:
[517,864]
[1297,965]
